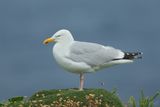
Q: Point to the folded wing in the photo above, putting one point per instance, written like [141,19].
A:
[93,54]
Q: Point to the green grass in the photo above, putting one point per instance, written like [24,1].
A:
[143,101]
[67,98]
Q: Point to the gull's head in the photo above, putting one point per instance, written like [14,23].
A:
[60,36]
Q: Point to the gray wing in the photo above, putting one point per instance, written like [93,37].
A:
[93,54]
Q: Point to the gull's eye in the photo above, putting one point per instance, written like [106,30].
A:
[58,35]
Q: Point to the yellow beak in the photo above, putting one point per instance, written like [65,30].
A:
[48,40]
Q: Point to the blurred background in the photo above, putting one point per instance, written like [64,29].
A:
[27,66]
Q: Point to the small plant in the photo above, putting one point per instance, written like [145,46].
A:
[1,105]
[114,91]
[13,102]
[143,101]
[132,101]
[16,99]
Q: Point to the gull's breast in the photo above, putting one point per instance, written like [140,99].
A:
[60,53]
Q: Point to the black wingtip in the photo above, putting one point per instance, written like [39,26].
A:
[132,55]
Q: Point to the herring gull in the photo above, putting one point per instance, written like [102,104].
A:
[85,57]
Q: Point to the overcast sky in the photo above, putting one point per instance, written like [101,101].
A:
[27,66]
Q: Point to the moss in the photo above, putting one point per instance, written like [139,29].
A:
[70,98]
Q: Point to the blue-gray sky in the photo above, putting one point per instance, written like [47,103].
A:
[26,65]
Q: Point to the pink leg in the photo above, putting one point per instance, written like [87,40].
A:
[81,81]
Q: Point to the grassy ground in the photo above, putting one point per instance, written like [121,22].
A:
[67,98]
